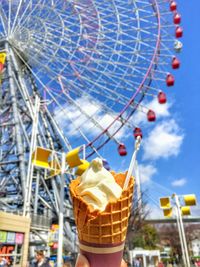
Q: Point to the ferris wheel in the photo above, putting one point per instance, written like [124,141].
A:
[91,63]
[94,61]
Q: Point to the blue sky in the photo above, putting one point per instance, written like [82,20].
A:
[175,163]
[187,163]
[184,169]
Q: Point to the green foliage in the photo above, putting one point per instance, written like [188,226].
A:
[150,236]
[138,240]
[146,237]
[170,259]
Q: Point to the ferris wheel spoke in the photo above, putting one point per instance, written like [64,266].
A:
[25,15]
[91,118]
[120,119]
[3,23]
[109,97]
[118,99]
[9,15]
[4,20]
[60,106]
[17,15]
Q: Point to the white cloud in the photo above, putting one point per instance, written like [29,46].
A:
[160,110]
[146,172]
[179,182]
[91,118]
[163,141]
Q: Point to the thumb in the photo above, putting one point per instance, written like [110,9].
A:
[82,261]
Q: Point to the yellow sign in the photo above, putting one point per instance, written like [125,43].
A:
[190,200]
[185,211]
[167,212]
[40,157]
[48,159]
[73,158]
[83,167]
[165,203]
[2,58]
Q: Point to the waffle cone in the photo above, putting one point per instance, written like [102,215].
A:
[109,226]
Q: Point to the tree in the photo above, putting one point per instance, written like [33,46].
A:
[150,236]
[146,238]
[169,237]
[141,234]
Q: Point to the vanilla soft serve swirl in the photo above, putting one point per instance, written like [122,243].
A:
[98,187]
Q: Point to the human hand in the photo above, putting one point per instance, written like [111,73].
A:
[83,262]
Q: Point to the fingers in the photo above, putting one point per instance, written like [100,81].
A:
[82,261]
[123,264]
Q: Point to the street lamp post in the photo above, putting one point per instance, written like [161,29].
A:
[165,204]
[180,235]
[182,232]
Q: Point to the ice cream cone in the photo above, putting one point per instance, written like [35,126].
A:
[102,234]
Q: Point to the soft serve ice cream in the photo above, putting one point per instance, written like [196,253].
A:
[98,187]
[101,211]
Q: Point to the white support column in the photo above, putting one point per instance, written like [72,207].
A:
[30,165]
[144,260]
[138,187]
[61,216]
[182,231]
[36,193]
[180,236]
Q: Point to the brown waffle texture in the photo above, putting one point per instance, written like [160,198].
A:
[109,226]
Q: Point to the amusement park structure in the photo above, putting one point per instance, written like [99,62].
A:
[74,73]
